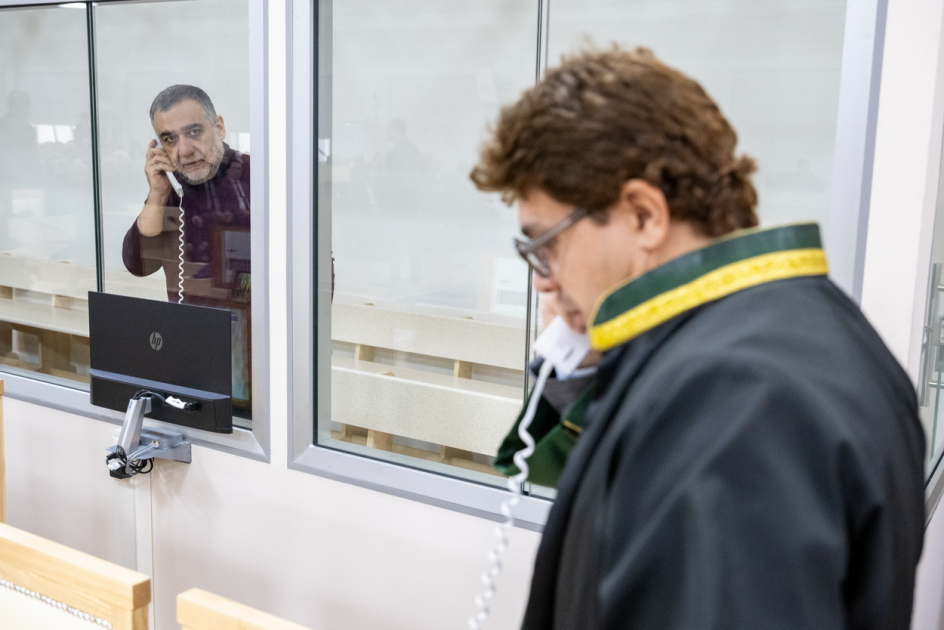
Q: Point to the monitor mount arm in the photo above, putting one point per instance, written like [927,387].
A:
[136,445]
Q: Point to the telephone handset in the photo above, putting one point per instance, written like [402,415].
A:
[170,174]
[180,227]
[562,349]
[174,183]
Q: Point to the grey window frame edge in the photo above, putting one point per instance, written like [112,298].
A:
[303,455]
[850,196]
[253,444]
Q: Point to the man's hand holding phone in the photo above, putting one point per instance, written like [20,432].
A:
[156,167]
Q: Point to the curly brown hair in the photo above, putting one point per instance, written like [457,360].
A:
[607,116]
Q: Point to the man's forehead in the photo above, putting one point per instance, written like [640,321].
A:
[186,113]
[538,211]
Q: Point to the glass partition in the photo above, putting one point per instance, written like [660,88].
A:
[428,322]
[142,50]
[47,212]
[68,161]
[931,368]
[773,67]
[428,330]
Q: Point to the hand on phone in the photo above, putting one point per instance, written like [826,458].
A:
[156,167]
[556,305]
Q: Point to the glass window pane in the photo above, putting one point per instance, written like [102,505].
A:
[143,49]
[47,233]
[430,300]
[773,67]
[931,368]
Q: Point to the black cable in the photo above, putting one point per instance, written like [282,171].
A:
[135,466]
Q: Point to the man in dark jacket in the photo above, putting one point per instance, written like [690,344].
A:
[751,455]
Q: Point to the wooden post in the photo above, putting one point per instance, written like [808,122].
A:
[363,353]
[462,369]
[380,440]
[61,301]
[55,351]
[6,339]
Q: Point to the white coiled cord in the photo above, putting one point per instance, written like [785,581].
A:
[483,600]
[180,260]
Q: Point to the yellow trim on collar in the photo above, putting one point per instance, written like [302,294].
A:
[707,288]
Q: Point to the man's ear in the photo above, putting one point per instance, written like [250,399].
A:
[221,127]
[648,211]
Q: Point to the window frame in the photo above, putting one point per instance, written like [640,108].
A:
[303,454]
[846,231]
[254,443]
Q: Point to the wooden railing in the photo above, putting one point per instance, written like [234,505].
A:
[48,586]
[200,610]
[460,413]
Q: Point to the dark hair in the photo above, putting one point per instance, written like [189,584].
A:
[177,93]
[607,116]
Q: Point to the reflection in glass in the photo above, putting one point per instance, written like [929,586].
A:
[158,81]
[428,319]
[931,368]
[47,236]
[773,67]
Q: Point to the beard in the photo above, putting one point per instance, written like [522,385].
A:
[211,164]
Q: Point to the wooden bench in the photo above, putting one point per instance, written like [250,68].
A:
[461,414]
[48,586]
[48,299]
[200,610]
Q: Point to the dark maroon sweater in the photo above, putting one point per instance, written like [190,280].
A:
[212,210]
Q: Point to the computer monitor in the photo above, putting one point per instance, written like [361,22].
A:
[171,349]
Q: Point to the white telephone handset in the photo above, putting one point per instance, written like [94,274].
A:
[180,226]
[563,349]
[170,174]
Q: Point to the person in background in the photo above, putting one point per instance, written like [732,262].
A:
[751,454]
[216,208]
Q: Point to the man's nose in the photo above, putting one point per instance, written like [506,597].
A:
[544,285]
[185,146]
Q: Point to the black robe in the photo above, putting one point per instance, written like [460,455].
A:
[755,462]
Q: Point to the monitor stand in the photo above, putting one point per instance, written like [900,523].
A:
[137,443]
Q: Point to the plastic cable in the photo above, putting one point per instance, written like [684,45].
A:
[180,264]
[483,600]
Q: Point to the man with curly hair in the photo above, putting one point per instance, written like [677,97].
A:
[750,454]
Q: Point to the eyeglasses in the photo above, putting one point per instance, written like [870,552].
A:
[534,251]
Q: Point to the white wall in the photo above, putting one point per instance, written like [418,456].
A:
[318,552]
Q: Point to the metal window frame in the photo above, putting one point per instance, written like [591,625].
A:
[846,229]
[307,240]
[254,444]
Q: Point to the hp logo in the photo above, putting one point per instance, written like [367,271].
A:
[157,342]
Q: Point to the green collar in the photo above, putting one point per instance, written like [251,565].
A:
[727,265]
